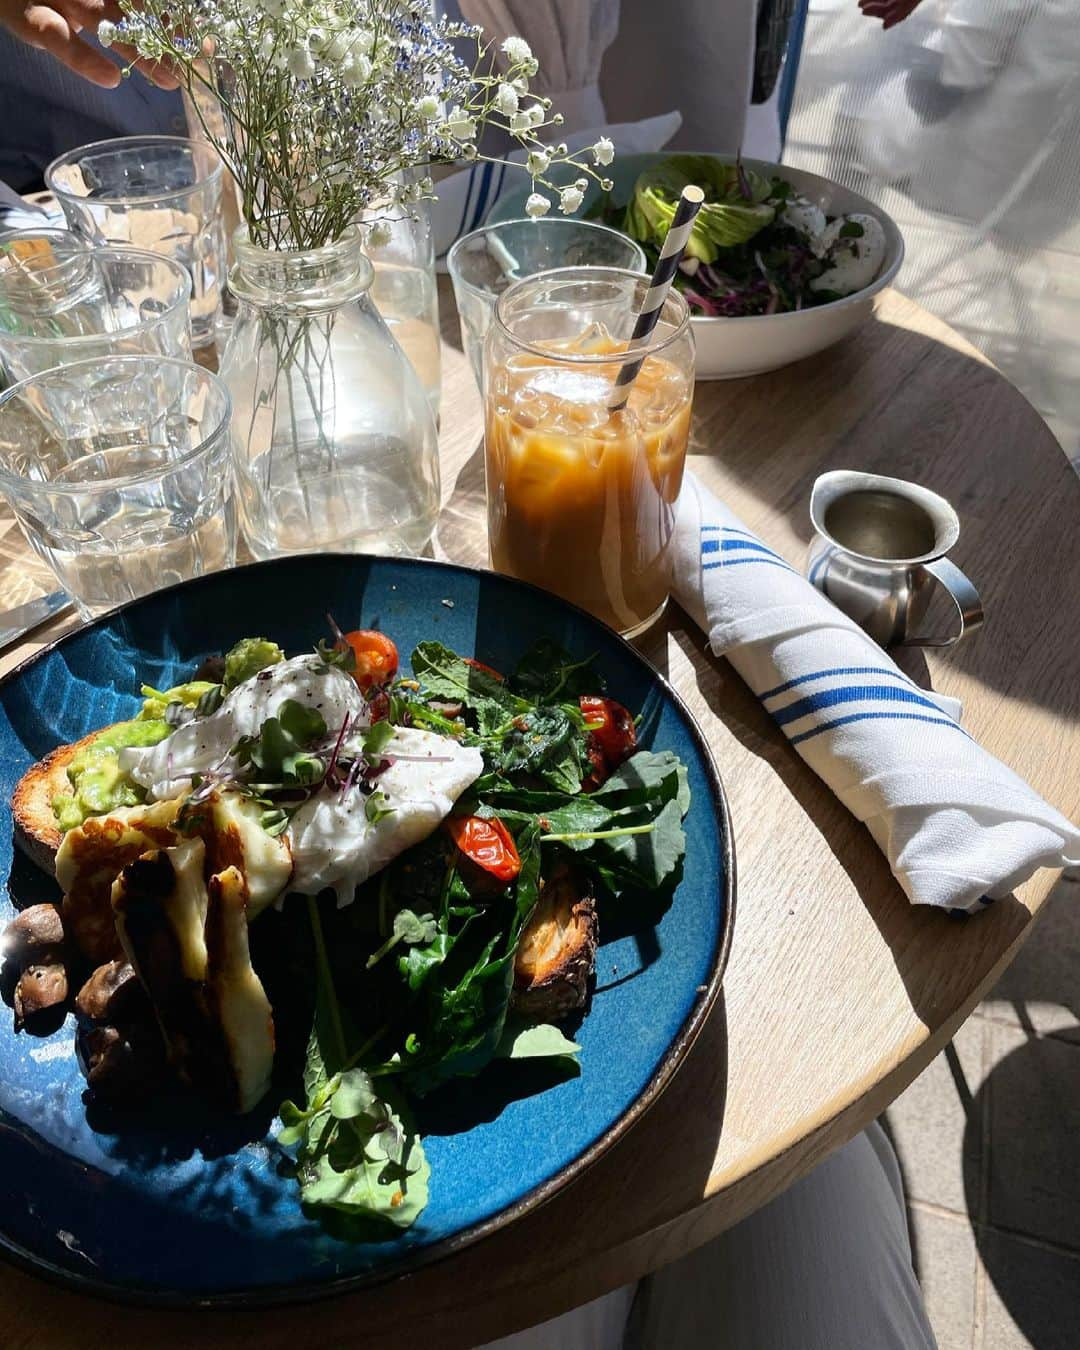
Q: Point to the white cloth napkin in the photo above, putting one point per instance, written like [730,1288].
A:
[959,829]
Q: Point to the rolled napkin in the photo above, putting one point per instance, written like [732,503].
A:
[959,828]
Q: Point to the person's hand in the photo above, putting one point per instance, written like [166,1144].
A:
[890,12]
[56,28]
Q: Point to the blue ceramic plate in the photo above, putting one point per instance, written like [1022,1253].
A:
[196,1210]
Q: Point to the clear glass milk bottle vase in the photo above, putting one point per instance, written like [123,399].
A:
[334,444]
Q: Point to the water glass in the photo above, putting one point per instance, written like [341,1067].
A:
[161,193]
[118,472]
[486,262]
[61,302]
[581,493]
[405,293]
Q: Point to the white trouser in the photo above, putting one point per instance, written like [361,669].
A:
[825,1266]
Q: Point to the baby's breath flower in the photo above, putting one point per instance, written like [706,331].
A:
[603,151]
[106,33]
[516,50]
[459,125]
[570,200]
[301,63]
[506,100]
[356,71]
[335,100]
[537,205]
[379,234]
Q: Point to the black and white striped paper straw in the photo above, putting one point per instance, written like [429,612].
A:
[689,204]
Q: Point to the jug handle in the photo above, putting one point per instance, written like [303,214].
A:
[964,596]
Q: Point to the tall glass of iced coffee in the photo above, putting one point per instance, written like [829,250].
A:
[581,497]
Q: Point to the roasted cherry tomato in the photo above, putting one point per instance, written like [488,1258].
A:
[488,843]
[376,657]
[610,726]
[479,665]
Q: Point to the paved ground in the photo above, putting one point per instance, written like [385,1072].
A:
[963,125]
[987,1139]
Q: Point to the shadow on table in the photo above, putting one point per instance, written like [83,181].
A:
[943,419]
[915,936]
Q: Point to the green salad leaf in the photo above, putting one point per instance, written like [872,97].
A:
[358,1152]
[449,676]
[547,673]
[735,206]
[541,1040]
[281,751]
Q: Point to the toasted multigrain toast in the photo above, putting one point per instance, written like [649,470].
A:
[36,831]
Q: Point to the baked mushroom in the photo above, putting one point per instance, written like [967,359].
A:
[557,951]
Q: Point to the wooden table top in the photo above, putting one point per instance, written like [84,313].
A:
[838,992]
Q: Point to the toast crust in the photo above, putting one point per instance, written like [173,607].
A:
[35,828]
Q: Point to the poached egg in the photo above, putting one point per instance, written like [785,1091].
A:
[333,842]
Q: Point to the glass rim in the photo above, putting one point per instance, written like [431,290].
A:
[44,232]
[98,485]
[543,221]
[585,272]
[62,193]
[78,340]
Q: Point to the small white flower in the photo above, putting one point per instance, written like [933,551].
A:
[604,150]
[570,200]
[582,183]
[516,50]
[379,234]
[537,205]
[538,162]
[459,125]
[301,63]
[106,33]
[506,100]
[274,8]
[428,108]
[520,123]
[536,114]
[520,85]
[355,71]
[316,38]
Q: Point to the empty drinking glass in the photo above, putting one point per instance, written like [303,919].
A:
[486,262]
[118,472]
[61,302]
[161,193]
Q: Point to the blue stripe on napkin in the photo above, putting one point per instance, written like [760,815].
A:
[883,671]
[735,562]
[879,716]
[849,693]
[746,542]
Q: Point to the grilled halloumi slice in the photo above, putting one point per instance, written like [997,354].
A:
[235,996]
[188,944]
[229,825]
[90,858]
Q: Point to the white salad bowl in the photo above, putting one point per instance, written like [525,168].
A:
[730,348]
